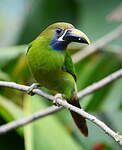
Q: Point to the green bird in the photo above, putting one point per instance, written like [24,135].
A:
[52,66]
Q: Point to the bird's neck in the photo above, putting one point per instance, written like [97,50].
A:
[50,45]
[58,45]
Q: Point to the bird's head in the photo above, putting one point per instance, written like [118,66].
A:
[62,34]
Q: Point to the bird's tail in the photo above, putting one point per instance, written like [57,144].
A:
[78,119]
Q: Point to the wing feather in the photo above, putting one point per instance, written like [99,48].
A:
[69,66]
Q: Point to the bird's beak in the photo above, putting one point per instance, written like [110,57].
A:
[75,35]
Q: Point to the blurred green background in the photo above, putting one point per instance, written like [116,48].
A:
[20,22]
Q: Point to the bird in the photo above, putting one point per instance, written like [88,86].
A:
[52,67]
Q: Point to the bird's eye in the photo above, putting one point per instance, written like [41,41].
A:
[59,31]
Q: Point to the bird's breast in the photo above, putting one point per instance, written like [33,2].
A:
[45,65]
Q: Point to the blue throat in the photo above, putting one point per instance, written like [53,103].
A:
[58,45]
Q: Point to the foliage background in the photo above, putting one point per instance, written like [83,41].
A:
[20,22]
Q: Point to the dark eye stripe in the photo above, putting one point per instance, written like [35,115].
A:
[59,31]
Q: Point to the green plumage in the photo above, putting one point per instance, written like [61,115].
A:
[54,69]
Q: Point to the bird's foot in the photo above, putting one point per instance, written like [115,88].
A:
[56,97]
[33,86]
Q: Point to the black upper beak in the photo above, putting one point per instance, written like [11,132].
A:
[75,35]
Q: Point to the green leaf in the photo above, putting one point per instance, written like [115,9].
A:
[4,76]
[9,110]
[7,54]
[46,133]
[114,97]
[93,69]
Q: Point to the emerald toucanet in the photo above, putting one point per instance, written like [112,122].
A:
[52,66]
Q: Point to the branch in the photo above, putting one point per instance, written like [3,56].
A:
[100,84]
[103,126]
[19,123]
[98,44]
[88,90]
[109,79]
